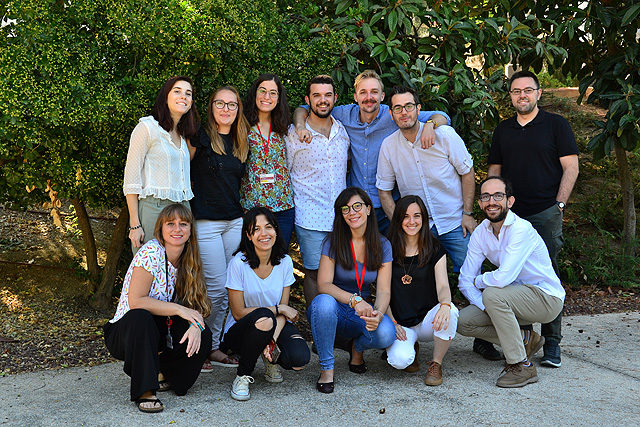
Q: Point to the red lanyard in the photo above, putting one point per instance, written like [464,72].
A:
[268,141]
[359,279]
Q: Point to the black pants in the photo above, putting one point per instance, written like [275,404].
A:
[245,339]
[140,339]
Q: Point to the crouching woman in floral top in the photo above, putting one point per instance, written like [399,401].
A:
[158,329]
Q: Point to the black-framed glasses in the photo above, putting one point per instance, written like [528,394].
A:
[498,197]
[263,92]
[408,107]
[526,90]
[220,104]
[357,207]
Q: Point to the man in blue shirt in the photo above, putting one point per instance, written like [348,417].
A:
[368,123]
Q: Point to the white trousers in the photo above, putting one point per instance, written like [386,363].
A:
[402,353]
[218,240]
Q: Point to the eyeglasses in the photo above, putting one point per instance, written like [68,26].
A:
[232,106]
[263,92]
[357,207]
[408,107]
[484,197]
[526,90]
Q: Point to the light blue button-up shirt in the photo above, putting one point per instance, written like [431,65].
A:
[366,139]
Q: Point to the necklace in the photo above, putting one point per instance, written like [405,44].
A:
[407,279]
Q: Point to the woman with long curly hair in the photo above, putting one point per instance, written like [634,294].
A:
[158,329]
[421,306]
[354,254]
[266,182]
[157,170]
[217,168]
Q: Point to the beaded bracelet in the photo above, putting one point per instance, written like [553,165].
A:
[136,227]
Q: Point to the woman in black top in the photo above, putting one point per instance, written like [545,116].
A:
[420,304]
[217,168]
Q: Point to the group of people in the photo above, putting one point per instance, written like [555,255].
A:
[213,207]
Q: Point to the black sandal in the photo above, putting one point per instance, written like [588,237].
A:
[164,385]
[150,410]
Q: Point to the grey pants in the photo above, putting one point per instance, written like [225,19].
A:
[505,310]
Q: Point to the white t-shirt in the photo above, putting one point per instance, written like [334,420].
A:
[258,292]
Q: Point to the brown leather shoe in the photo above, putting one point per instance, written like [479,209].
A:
[517,375]
[434,374]
[534,345]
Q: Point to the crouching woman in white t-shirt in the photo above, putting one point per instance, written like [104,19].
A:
[259,277]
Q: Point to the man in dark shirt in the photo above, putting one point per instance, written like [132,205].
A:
[536,151]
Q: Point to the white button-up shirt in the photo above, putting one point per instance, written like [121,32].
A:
[433,174]
[519,253]
[155,166]
[318,173]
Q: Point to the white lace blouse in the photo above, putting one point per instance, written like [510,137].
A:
[155,166]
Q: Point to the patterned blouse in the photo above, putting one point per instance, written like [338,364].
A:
[270,167]
[151,257]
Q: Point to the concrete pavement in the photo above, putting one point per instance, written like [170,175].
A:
[597,385]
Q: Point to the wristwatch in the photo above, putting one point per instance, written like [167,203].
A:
[560,205]
[356,299]
[435,125]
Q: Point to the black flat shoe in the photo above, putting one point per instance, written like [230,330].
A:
[486,349]
[356,369]
[324,387]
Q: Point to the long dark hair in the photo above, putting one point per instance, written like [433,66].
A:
[239,128]
[428,245]
[279,249]
[340,236]
[188,124]
[191,289]
[280,115]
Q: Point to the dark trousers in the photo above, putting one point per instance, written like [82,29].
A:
[548,224]
[285,221]
[245,339]
[140,339]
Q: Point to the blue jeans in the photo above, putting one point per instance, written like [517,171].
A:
[285,221]
[383,221]
[455,244]
[328,316]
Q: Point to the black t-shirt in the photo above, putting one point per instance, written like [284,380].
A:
[411,303]
[530,158]
[215,180]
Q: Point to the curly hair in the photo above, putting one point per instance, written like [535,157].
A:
[279,249]
[428,245]
[191,289]
[280,116]
[340,236]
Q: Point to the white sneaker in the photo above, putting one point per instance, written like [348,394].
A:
[272,373]
[240,387]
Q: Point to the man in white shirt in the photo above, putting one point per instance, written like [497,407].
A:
[524,288]
[442,175]
[318,172]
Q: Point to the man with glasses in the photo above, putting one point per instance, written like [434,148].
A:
[522,290]
[318,174]
[443,175]
[536,151]
[368,123]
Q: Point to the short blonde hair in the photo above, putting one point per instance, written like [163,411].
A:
[368,74]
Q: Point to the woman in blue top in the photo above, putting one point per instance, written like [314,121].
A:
[354,254]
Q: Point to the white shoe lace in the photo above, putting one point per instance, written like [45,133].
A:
[241,384]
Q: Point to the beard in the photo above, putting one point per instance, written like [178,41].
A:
[499,217]
[314,110]
[527,108]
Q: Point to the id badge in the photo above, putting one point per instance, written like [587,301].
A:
[267,178]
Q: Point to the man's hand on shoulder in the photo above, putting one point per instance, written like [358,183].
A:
[428,135]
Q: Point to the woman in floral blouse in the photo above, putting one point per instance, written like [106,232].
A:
[266,182]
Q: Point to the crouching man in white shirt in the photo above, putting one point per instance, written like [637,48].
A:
[524,289]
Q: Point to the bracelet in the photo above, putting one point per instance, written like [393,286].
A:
[277,311]
[394,321]
[445,303]
[467,213]
[136,227]
[350,298]
[435,125]
[197,325]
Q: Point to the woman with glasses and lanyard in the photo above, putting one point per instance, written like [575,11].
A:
[354,254]
[157,170]
[267,182]
[217,169]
